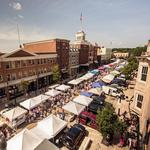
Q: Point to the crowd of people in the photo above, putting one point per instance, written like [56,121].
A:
[54,106]
[6,131]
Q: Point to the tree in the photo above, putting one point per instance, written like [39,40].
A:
[121,126]
[56,73]
[106,120]
[3,143]
[24,85]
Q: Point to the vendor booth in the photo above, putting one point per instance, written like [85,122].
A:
[83,100]
[96,91]
[74,108]
[26,140]
[16,116]
[53,93]
[49,127]
[63,87]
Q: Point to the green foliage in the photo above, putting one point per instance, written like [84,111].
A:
[106,120]
[24,86]
[121,126]
[132,51]
[56,73]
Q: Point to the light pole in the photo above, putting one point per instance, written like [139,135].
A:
[37,83]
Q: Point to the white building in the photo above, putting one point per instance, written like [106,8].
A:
[105,53]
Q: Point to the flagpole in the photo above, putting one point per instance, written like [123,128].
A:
[81,22]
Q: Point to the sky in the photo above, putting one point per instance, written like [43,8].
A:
[110,23]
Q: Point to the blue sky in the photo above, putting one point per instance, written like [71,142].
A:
[110,23]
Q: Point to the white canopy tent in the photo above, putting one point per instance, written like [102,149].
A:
[26,140]
[41,98]
[46,145]
[108,78]
[53,93]
[53,86]
[49,127]
[87,76]
[32,102]
[75,81]
[63,87]
[13,114]
[115,72]
[83,100]
[74,108]
[96,91]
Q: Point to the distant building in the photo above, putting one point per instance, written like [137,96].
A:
[106,54]
[99,55]
[142,96]
[121,54]
[21,65]
[87,51]
[59,46]
[73,61]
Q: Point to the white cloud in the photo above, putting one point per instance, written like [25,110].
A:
[20,16]
[16,6]
[9,36]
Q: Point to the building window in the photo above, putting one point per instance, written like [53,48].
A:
[20,74]
[139,101]
[144,73]
[1,78]
[13,76]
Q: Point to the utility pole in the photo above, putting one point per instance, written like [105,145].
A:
[18,32]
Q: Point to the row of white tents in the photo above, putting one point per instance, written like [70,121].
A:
[37,138]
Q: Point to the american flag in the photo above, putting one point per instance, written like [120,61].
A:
[81,17]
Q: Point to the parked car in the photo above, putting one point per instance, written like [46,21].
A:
[73,137]
[113,91]
[95,106]
[120,81]
[88,118]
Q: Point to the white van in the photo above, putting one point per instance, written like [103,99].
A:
[111,91]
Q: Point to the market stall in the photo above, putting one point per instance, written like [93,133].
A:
[63,87]
[83,100]
[85,93]
[76,81]
[108,78]
[98,84]
[16,116]
[26,140]
[96,91]
[74,108]
[49,127]
[53,93]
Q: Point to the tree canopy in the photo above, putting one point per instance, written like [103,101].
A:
[56,73]
[108,122]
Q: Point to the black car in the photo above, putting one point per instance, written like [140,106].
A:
[73,137]
[96,104]
[94,107]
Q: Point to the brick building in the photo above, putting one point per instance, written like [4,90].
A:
[73,61]
[21,65]
[59,46]
[87,52]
